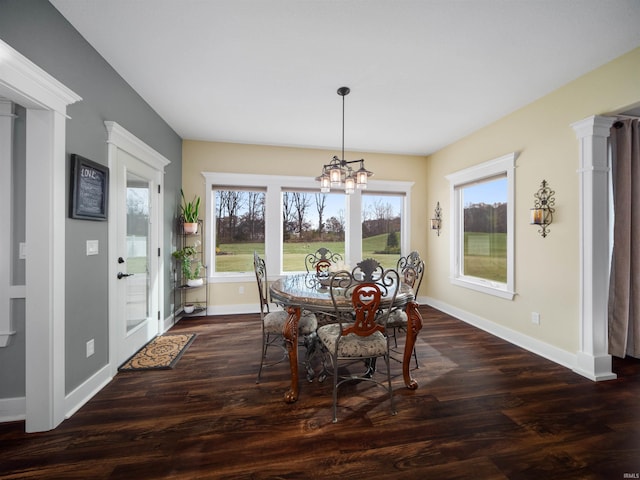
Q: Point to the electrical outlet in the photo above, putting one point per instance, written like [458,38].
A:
[90,348]
[241,290]
[535,318]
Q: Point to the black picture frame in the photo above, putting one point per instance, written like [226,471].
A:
[89,189]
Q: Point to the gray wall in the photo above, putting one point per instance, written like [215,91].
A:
[40,33]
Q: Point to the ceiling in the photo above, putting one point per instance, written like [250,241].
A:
[422,73]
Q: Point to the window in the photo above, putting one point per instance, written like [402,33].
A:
[286,217]
[482,199]
[239,228]
[382,227]
[310,220]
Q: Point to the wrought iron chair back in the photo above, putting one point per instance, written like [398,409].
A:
[360,333]
[273,322]
[261,279]
[411,268]
[321,258]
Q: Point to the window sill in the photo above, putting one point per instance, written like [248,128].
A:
[490,288]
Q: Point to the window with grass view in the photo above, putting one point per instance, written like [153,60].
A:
[284,218]
[482,227]
[382,227]
[485,229]
[310,220]
[240,228]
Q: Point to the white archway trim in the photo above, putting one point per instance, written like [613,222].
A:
[593,360]
[35,88]
[46,100]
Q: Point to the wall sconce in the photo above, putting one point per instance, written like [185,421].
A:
[436,222]
[542,211]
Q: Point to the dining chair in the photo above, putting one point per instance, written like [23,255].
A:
[273,321]
[321,260]
[411,269]
[360,335]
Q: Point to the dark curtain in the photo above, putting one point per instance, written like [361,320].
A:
[624,286]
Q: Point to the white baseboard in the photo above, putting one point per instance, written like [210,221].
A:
[555,354]
[84,392]
[13,409]
[233,309]
[169,322]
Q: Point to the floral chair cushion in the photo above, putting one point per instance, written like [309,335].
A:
[352,345]
[274,322]
[397,318]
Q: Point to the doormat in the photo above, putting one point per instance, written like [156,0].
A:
[161,353]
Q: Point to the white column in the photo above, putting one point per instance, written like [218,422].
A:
[353,229]
[593,359]
[6,200]
[45,270]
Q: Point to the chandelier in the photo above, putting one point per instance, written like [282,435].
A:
[338,172]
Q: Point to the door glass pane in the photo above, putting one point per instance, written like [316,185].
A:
[485,230]
[381,227]
[137,262]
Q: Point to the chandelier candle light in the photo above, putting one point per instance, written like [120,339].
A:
[338,172]
[542,211]
[436,221]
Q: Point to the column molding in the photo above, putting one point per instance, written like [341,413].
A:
[6,194]
[593,360]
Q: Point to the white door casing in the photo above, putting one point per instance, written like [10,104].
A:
[121,146]
[137,287]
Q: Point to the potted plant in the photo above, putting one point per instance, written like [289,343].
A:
[188,308]
[190,265]
[190,211]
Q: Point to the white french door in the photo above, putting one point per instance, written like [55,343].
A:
[137,242]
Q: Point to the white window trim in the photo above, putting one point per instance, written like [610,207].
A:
[274,184]
[504,165]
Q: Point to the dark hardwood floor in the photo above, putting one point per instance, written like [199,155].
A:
[484,410]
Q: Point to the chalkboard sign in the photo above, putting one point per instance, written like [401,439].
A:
[89,189]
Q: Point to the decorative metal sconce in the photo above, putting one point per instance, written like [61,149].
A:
[436,222]
[542,211]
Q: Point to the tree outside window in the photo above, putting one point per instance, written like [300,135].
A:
[310,220]
[284,218]
[382,227]
[485,230]
[482,227]
[240,229]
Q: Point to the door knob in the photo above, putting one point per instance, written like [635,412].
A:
[122,275]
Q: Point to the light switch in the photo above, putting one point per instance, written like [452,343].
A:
[92,247]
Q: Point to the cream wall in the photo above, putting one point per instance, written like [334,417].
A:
[198,157]
[546,269]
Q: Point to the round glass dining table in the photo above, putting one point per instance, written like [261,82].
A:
[306,292]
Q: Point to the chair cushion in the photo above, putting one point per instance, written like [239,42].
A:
[308,323]
[352,345]
[397,318]
[274,322]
